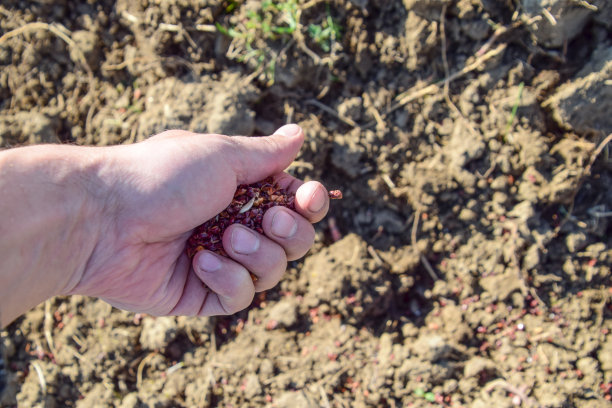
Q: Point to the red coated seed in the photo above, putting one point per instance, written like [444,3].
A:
[247,208]
[335,194]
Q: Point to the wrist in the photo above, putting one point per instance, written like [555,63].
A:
[51,222]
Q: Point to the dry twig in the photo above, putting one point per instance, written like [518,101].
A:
[332,112]
[48,327]
[585,174]
[596,154]
[587,5]
[481,56]
[141,367]
[447,98]
[324,400]
[41,377]
[63,34]
[301,164]
[369,104]
[416,92]
[518,391]
[57,29]
[375,256]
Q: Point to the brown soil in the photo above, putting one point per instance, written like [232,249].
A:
[474,264]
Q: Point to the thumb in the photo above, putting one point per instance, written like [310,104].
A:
[255,158]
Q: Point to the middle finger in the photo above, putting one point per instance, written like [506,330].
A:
[263,257]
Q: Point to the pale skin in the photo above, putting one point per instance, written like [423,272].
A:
[112,222]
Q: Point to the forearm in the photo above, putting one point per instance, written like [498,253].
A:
[48,223]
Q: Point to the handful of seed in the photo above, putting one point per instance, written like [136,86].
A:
[247,208]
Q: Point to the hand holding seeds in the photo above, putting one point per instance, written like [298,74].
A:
[245,216]
[125,215]
[247,208]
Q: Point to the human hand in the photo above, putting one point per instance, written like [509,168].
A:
[161,189]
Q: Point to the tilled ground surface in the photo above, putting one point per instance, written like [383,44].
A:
[468,264]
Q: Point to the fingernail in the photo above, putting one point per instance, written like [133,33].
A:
[283,225]
[244,241]
[288,130]
[317,201]
[208,262]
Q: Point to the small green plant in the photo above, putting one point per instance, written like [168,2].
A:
[232,4]
[428,396]
[269,21]
[135,108]
[326,33]
[514,109]
[273,19]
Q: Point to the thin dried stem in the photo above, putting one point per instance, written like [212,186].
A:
[141,367]
[375,256]
[447,98]
[48,327]
[324,400]
[481,56]
[369,104]
[41,377]
[585,174]
[406,97]
[60,31]
[518,391]
[332,112]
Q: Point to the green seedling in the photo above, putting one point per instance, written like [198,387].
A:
[428,396]
[271,21]
[231,6]
[230,32]
[135,108]
[514,109]
[326,33]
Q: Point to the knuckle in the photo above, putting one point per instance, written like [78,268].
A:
[280,268]
[240,303]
